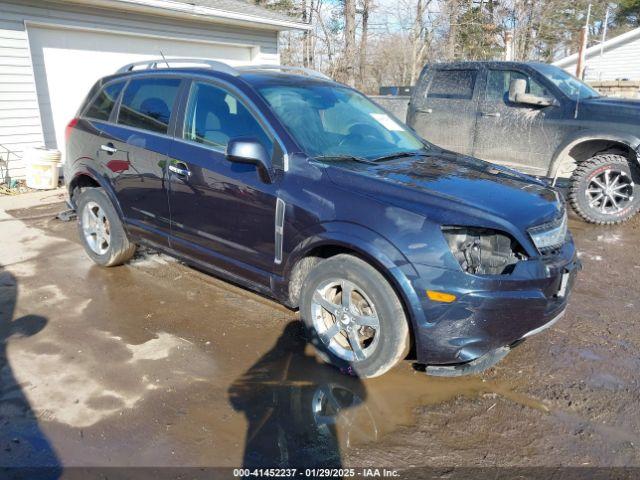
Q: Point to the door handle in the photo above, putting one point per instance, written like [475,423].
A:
[180,169]
[425,110]
[109,148]
[490,114]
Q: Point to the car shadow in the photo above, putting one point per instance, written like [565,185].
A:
[297,408]
[25,451]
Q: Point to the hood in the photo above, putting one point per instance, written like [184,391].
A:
[618,109]
[449,188]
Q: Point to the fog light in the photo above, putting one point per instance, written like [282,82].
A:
[440,296]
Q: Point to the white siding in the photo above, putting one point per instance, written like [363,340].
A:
[620,59]
[25,104]
[621,62]
[19,115]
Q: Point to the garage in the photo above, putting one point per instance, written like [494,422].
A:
[52,52]
[68,62]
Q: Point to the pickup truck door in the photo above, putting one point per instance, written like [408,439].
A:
[443,110]
[518,135]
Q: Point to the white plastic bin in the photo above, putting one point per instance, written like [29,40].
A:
[42,168]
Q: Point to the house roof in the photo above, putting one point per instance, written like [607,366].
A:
[240,12]
[241,6]
[595,49]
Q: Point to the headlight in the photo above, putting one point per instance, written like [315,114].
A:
[550,236]
[483,251]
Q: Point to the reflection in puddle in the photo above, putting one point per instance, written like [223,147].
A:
[301,412]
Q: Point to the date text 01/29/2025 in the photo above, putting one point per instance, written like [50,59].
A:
[316,472]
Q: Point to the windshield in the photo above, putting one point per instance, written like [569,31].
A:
[333,121]
[570,85]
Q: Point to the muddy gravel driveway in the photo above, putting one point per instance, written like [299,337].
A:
[156,364]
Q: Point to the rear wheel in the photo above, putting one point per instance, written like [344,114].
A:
[354,316]
[101,231]
[604,189]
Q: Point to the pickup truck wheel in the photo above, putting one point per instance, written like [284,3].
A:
[604,189]
[101,231]
[354,317]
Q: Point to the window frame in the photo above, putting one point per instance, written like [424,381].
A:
[477,72]
[279,158]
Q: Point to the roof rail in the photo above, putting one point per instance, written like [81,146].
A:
[214,65]
[286,68]
[180,62]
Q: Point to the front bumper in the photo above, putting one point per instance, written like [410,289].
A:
[491,312]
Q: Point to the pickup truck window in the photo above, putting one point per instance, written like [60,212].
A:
[570,85]
[454,84]
[498,82]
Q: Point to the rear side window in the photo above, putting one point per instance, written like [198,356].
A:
[100,108]
[147,103]
[454,84]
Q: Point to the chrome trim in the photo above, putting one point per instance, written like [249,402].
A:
[108,149]
[166,63]
[180,171]
[279,230]
[545,326]
[285,68]
[160,63]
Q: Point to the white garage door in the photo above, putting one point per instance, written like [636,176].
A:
[68,62]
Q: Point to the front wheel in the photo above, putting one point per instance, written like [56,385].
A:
[354,316]
[604,189]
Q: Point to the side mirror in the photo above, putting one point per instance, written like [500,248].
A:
[249,150]
[518,94]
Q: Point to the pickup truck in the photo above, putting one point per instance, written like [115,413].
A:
[538,119]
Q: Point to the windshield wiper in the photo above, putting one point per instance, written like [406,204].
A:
[340,158]
[391,156]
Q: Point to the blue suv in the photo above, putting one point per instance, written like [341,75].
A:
[304,190]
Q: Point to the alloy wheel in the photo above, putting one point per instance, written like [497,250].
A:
[345,320]
[610,192]
[95,226]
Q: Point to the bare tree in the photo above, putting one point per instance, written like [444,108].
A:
[350,41]
[452,10]
[364,36]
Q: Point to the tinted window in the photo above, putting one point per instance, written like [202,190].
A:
[498,82]
[147,103]
[214,116]
[457,84]
[101,107]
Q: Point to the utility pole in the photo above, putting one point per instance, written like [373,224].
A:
[584,38]
[604,39]
[508,46]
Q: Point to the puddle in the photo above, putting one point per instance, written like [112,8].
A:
[184,369]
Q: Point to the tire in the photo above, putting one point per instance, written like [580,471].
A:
[590,178]
[375,322]
[100,229]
